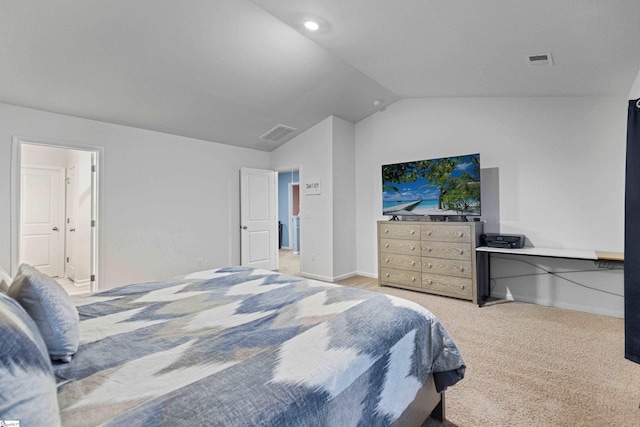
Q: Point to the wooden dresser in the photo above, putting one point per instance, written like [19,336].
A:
[432,257]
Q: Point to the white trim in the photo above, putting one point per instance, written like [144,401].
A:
[16,165]
[291,215]
[329,279]
[364,274]
[289,202]
[292,169]
[345,276]
[317,277]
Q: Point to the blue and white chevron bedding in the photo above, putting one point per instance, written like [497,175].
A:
[247,347]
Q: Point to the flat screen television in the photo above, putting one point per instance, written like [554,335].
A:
[442,188]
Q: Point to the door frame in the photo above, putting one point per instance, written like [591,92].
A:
[285,170]
[67,225]
[15,203]
[290,213]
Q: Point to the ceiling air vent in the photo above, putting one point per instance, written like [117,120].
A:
[278,133]
[542,59]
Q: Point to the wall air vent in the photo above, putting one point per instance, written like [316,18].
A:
[278,133]
[542,59]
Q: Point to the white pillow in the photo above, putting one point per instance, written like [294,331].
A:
[5,281]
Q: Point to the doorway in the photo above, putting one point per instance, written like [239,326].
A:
[54,207]
[289,220]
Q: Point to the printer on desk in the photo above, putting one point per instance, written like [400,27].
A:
[496,240]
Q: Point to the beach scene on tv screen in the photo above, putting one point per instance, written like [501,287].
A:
[445,186]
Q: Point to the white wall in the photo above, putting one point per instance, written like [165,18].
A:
[344,199]
[635,89]
[165,201]
[311,151]
[326,152]
[559,164]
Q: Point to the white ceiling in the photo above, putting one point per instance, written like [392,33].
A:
[230,70]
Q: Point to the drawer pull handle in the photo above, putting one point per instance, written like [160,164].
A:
[413,248]
[429,233]
[430,281]
[413,279]
[461,251]
[462,287]
[386,230]
[386,245]
[387,275]
[413,263]
[386,260]
[413,232]
[462,269]
[430,265]
[461,234]
[429,249]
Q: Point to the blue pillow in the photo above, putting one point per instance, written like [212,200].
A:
[27,384]
[51,308]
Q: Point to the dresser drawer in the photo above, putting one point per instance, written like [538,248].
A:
[446,250]
[448,267]
[400,277]
[440,233]
[402,262]
[399,231]
[397,246]
[449,285]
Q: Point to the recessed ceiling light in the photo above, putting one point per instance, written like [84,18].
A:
[311,25]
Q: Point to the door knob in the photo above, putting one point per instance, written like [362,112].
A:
[244,227]
[55,228]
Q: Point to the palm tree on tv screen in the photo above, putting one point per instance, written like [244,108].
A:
[438,173]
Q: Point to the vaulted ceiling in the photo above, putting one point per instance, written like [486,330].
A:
[228,71]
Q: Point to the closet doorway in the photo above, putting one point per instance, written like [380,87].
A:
[54,197]
[289,221]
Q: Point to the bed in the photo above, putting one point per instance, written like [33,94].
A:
[247,347]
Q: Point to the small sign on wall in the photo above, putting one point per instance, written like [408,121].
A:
[312,187]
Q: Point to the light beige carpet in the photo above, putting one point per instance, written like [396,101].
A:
[529,365]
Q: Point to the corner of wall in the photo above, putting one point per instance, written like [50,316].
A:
[635,89]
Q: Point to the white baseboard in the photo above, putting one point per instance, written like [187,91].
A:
[327,278]
[364,274]
[317,277]
[344,276]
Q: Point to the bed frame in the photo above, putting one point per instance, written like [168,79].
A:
[428,402]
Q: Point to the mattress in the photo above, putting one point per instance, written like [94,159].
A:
[246,347]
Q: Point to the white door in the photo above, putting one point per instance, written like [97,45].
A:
[258,219]
[71,246]
[41,243]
